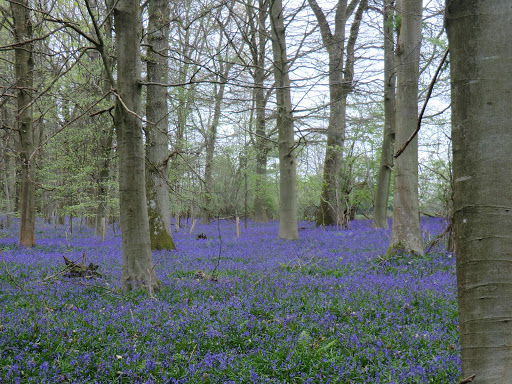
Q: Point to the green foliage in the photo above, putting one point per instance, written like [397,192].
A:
[309,189]
[440,42]
[435,191]
[396,22]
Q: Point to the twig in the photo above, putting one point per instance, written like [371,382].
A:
[66,268]
[59,130]
[28,41]
[102,111]
[438,238]
[125,107]
[420,117]
[381,260]
[191,353]
[54,275]
[467,380]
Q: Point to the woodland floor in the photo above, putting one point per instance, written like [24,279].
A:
[328,308]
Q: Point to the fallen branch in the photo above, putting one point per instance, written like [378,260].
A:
[75,269]
[200,275]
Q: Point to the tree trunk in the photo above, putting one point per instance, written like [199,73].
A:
[103,176]
[138,269]
[4,158]
[380,210]
[105,147]
[331,210]
[405,234]
[7,195]
[157,140]
[479,35]
[259,41]
[211,135]
[260,182]
[334,202]
[185,98]
[288,228]
[24,65]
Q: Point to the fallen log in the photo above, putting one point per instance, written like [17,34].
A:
[75,269]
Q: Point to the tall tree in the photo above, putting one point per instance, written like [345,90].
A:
[211,134]
[405,234]
[106,135]
[157,140]
[288,228]
[138,269]
[380,211]
[187,45]
[333,204]
[480,43]
[5,165]
[24,68]
[258,42]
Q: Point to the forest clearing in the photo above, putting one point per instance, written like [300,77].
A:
[328,308]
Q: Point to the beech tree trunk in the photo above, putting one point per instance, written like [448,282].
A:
[185,98]
[138,269]
[258,44]
[380,209]
[24,68]
[105,141]
[5,164]
[288,228]
[157,140]
[103,176]
[405,234]
[480,43]
[334,199]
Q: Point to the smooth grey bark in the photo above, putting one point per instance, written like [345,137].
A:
[157,140]
[105,140]
[405,233]
[24,70]
[380,209]
[480,43]
[333,202]
[288,228]
[5,164]
[138,269]
[259,38]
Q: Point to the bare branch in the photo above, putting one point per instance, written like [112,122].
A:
[420,117]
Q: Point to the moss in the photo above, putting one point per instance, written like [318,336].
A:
[160,238]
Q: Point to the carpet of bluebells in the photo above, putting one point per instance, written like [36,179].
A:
[328,308]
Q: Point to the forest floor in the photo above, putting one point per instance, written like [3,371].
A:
[328,308]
